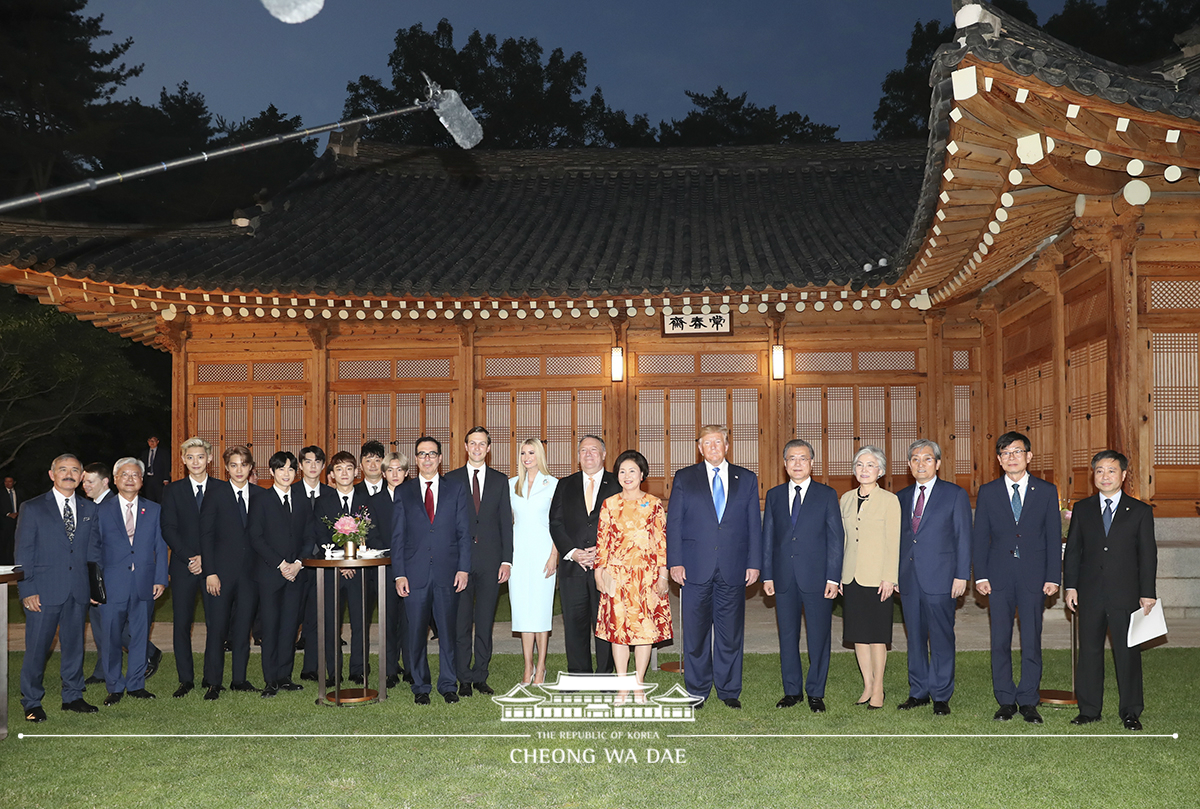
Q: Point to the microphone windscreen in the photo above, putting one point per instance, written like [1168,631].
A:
[458,120]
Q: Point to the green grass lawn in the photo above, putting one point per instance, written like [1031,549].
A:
[888,759]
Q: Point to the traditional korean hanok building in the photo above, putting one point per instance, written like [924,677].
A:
[1035,265]
[596,698]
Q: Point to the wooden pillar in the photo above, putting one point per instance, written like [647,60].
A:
[776,433]
[172,336]
[316,416]
[941,407]
[1046,278]
[1113,240]
[620,408]
[991,353]
[462,415]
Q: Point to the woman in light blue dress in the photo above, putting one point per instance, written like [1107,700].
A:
[535,559]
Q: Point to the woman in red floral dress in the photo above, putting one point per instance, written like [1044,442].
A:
[631,569]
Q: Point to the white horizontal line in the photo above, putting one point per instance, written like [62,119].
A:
[273,735]
[920,736]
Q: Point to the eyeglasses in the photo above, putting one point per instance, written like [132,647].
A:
[1013,453]
[425,455]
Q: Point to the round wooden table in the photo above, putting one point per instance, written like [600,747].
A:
[5,580]
[350,696]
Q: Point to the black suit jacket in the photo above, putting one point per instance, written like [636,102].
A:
[161,469]
[277,535]
[329,507]
[224,541]
[1118,568]
[492,527]
[571,526]
[181,519]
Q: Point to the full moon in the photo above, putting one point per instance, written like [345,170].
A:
[293,11]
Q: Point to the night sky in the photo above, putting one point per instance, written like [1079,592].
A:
[822,59]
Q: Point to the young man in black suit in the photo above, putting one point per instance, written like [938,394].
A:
[281,534]
[157,461]
[307,490]
[9,501]
[231,593]
[181,507]
[395,472]
[574,519]
[1109,571]
[97,485]
[491,561]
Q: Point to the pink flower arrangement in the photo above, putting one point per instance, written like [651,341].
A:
[346,525]
[349,528]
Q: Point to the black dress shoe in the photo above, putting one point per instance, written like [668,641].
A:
[140,693]
[1084,720]
[183,690]
[242,686]
[421,699]
[288,685]
[912,702]
[112,699]
[465,690]
[393,680]
[788,701]
[357,679]
[308,675]
[733,702]
[941,708]
[1030,712]
[153,662]
[93,680]
[407,677]
[450,697]
[816,704]
[79,706]
[213,692]
[300,645]
[484,688]
[1005,713]
[1132,723]
[269,691]
[35,714]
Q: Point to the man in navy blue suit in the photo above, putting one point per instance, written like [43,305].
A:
[431,563]
[714,552]
[1016,548]
[935,563]
[56,534]
[133,556]
[803,542]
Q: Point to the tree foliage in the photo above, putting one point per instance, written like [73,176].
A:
[56,371]
[723,120]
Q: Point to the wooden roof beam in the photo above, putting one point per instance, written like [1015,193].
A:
[1073,178]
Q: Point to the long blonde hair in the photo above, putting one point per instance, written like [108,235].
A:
[539,452]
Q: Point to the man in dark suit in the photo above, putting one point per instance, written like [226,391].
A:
[1016,548]
[1109,572]
[935,564]
[158,469]
[491,561]
[231,593]
[98,487]
[395,472]
[133,556]
[10,500]
[714,551]
[281,534]
[803,539]
[181,507]
[574,520]
[307,490]
[374,492]
[56,535]
[431,561]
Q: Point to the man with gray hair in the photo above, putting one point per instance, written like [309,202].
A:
[935,563]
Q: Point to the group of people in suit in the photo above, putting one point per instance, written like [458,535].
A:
[455,538]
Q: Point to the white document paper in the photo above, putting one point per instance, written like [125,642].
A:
[1144,627]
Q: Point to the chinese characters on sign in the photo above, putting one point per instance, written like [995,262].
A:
[675,324]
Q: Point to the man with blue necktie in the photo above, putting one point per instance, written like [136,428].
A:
[1016,548]
[714,552]
[803,542]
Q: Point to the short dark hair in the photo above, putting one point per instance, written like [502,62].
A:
[372,447]
[427,438]
[480,429]
[1110,455]
[1011,436]
[317,452]
[281,459]
[635,456]
[799,443]
[595,438]
[100,470]
[237,449]
[343,457]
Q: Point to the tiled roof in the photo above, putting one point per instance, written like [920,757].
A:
[581,222]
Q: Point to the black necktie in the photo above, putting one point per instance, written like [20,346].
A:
[345,504]
[312,502]
[242,508]
[797,501]
[287,504]
[475,493]
[1108,515]
[69,520]
[199,497]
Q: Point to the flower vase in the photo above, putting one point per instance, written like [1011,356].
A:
[351,550]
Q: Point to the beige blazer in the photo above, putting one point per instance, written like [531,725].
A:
[872,538]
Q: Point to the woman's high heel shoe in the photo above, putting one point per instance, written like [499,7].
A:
[871,707]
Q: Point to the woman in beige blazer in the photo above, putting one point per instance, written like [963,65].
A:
[870,568]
